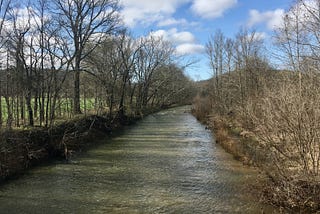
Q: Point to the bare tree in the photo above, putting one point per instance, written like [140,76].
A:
[17,41]
[4,7]
[39,16]
[215,52]
[85,21]
[104,63]
[154,53]
[171,86]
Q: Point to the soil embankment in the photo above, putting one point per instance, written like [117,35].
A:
[237,141]
[292,196]
[21,149]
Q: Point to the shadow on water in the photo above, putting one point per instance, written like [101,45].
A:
[166,163]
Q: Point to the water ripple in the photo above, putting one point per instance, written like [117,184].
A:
[167,163]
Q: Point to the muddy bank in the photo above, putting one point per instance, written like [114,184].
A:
[22,149]
[237,141]
[288,195]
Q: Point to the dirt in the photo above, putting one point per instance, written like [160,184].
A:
[22,149]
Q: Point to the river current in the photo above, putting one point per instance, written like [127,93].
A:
[166,163]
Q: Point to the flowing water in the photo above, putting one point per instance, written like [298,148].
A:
[166,163]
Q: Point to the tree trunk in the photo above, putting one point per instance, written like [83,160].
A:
[76,96]
[1,121]
[84,102]
[22,113]
[35,104]
[9,112]
[52,109]
[123,89]
[29,107]
[41,105]
[47,107]
[17,111]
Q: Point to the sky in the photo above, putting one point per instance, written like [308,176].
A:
[188,24]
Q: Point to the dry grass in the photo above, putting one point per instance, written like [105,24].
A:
[201,108]
[230,140]
[295,195]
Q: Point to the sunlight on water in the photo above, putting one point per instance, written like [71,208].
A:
[166,163]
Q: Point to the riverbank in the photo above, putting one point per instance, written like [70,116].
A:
[299,195]
[22,149]
[241,143]
[165,163]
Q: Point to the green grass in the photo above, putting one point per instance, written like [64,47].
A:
[65,106]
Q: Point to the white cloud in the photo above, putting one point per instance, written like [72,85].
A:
[306,11]
[260,36]
[188,48]
[210,9]
[272,18]
[147,11]
[159,33]
[175,36]
[172,21]
[184,41]
[21,17]
[168,6]
[166,22]
[181,37]
[132,16]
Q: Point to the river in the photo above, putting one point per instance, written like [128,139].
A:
[166,163]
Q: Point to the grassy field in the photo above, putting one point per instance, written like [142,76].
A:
[63,108]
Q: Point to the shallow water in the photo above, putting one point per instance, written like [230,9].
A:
[166,163]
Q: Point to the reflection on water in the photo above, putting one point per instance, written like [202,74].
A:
[166,163]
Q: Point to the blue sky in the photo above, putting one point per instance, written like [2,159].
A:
[189,23]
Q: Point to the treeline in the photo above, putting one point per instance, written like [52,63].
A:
[277,110]
[62,58]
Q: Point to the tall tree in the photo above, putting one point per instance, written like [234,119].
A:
[154,52]
[215,52]
[4,7]
[84,21]
[18,35]
[128,49]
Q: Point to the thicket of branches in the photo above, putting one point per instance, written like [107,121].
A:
[60,58]
[281,107]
